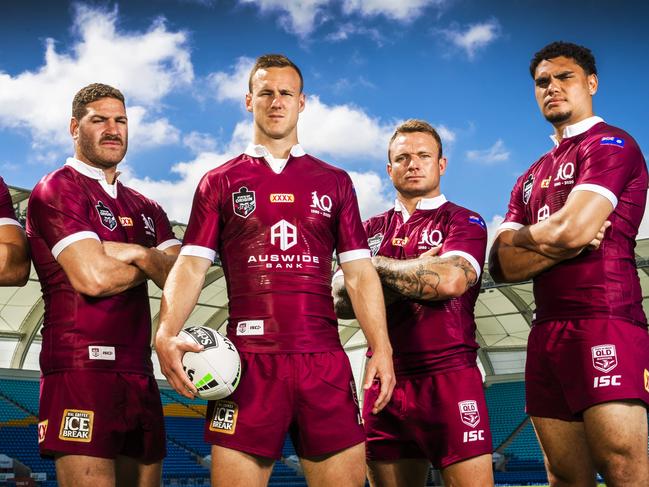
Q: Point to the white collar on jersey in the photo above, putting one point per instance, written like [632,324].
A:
[94,173]
[258,150]
[577,128]
[422,204]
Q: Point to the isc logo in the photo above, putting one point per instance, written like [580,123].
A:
[473,436]
[607,380]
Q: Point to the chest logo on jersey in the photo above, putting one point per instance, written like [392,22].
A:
[106,216]
[224,419]
[527,188]
[283,234]
[243,202]
[431,239]
[321,205]
[126,221]
[76,425]
[282,198]
[400,241]
[545,183]
[469,413]
[565,174]
[375,243]
[604,357]
[149,225]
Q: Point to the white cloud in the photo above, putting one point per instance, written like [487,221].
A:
[146,66]
[233,85]
[493,155]
[346,30]
[474,37]
[403,10]
[374,195]
[198,142]
[492,228]
[296,16]
[342,131]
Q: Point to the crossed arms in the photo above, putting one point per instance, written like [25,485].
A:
[519,255]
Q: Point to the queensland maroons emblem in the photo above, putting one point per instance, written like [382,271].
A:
[243,202]
[469,413]
[106,216]
[604,357]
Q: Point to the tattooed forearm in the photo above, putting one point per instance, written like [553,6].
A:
[428,278]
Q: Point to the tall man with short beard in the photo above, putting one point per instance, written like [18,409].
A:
[571,226]
[94,243]
[275,215]
[429,254]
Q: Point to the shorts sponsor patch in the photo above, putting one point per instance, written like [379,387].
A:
[224,419]
[612,141]
[76,425]
[250,328]
[646,380]
[469,413]
[42,430]
[604,357]
[97,352]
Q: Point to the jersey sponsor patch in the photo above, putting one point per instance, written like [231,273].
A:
[243,202]
[42,430]
[374,243]
[283,234]
[646,380]
[527,188]
[604,357]
[250,328]
[106,216]
[98,352]
[76,425]
[469,413]
[224,419]
[545,183]
[282,198]
[612,141]
[126,221]
[321,205]
[400,241]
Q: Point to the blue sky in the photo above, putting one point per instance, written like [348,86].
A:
[367,64]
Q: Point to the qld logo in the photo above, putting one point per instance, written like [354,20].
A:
[243,202]
[469,413]
[434,238]
[604,357]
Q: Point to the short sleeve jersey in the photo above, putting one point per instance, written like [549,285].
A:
[7,213]
[429,336]
[275,231]
[79,331]
[603,283]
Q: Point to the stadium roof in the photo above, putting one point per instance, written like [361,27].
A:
[503,314]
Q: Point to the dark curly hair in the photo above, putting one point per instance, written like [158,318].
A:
[582,56]
[90,93]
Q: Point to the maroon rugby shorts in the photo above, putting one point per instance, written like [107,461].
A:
[574,364]
[312,396]
[101,414]
[440,417]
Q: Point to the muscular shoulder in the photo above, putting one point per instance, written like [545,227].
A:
[457,214]
[378,222]
[51,185]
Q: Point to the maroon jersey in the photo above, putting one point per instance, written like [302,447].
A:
[82,332]
[7,213]
[593,156]
[275,228]
[428,336]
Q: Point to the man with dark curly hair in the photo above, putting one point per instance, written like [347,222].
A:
[571,226]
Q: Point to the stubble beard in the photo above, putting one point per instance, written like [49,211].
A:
[94,153]
[560,117]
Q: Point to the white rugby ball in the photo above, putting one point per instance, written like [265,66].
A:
[216,370]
